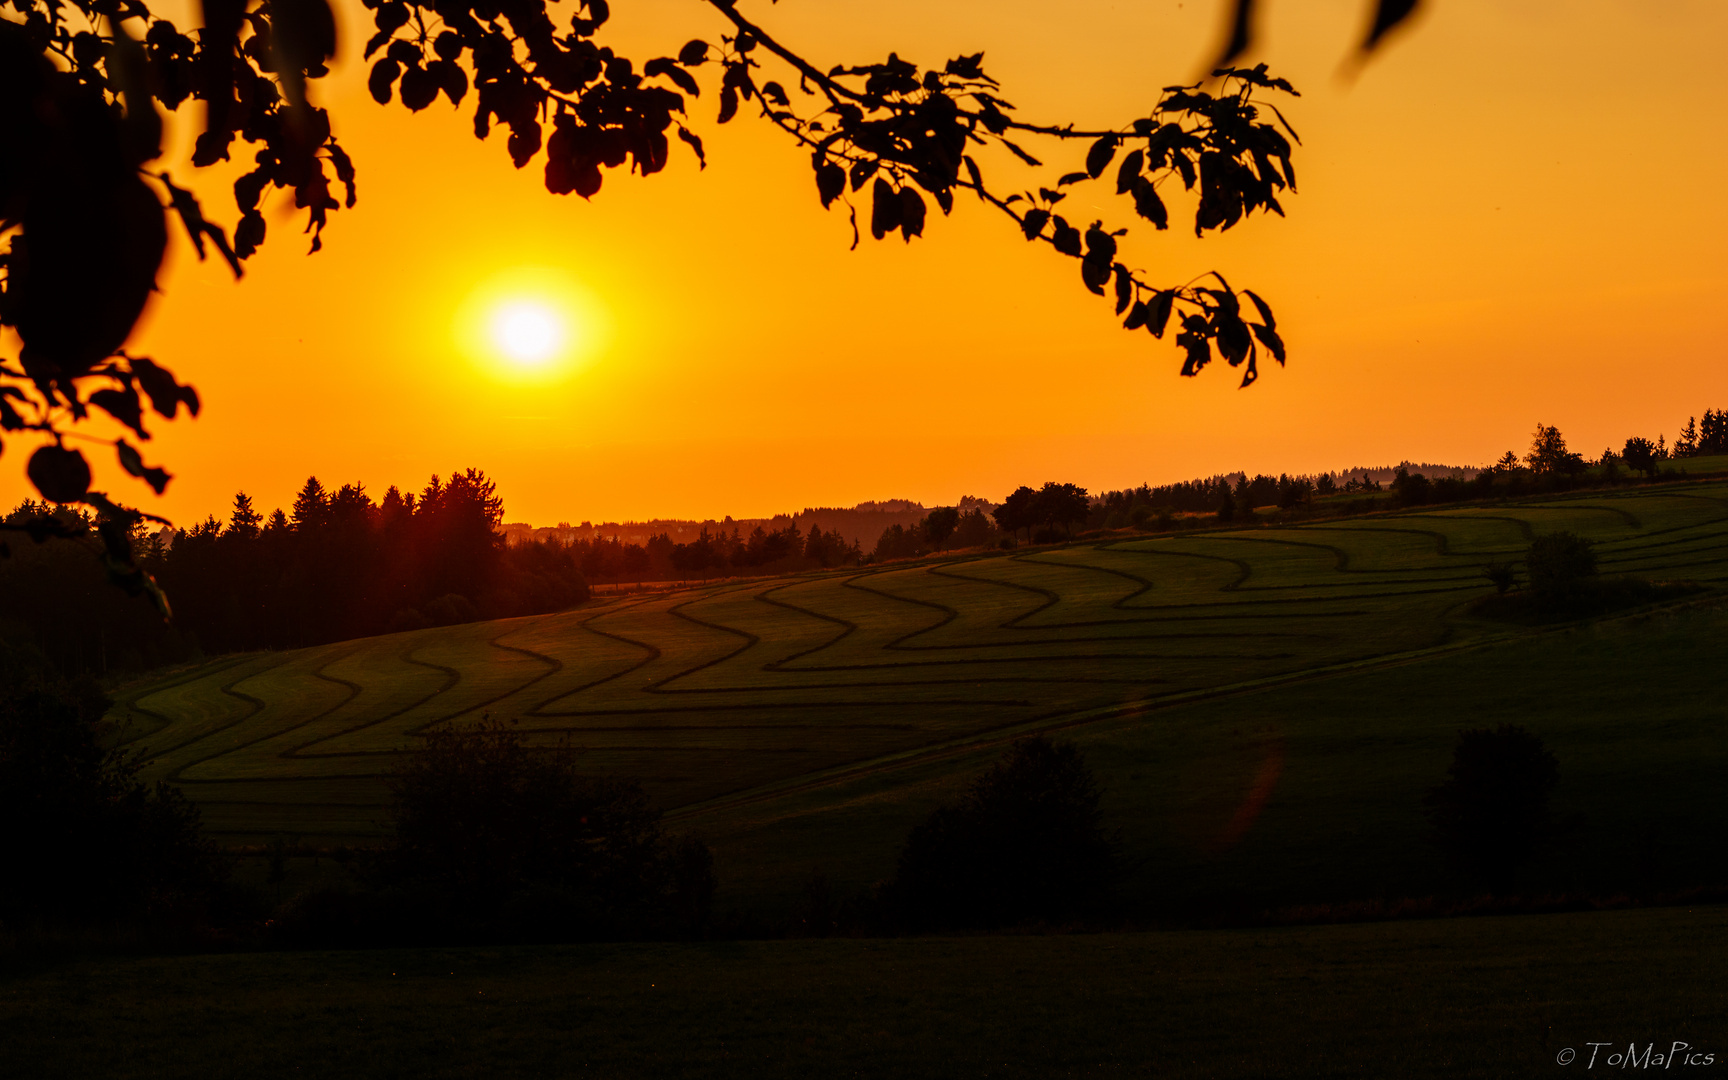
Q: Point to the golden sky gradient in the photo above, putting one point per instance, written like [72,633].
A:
[1513,215]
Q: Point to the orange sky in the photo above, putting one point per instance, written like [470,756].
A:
[1511,217]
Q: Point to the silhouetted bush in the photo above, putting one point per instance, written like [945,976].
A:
[1491,813]
[1564,585]
[408,619]
[1502,575]
[84,840]
[494,837]
[451,609]
[1558,561]
[1025,844]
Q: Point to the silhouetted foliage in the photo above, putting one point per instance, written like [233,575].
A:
[1491,813]
[79,123]
[1025,844]
[85,841]
[340,567]
[1564,585]
[1061,506]
[1558,562]
[1712,435]
[1548,453]
[1412,489]
[939,525]
[1502,574]
[494,835]
[1639,454]
[974,529]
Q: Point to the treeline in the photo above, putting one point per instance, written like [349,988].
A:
[1708,437]
[338,565]
[713,554]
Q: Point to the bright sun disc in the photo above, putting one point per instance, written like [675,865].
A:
[530,326]
[527,332]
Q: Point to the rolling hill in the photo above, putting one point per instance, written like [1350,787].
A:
[791,719]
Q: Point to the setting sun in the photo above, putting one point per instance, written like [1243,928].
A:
[530,324]
[528,332]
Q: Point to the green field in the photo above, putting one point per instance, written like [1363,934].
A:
[1492,997]
[1264,705]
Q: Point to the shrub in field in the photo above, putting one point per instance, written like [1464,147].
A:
[498,837]
[1502,575]
[1024,844]
[1564,585]
[86,842]
[1491,813]
[1557,562]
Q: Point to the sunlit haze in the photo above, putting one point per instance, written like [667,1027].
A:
[1507,218]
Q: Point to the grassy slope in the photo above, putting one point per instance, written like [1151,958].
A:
[793,719]
[1454,998]
[1633,708]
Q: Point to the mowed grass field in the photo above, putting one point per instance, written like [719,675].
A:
[1264,705]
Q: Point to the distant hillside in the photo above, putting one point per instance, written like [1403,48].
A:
[862,524]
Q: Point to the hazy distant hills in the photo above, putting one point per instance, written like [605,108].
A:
[865,522]
[862,524]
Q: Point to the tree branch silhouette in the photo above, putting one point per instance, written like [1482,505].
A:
[85,218]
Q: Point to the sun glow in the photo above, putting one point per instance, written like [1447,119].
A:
[530,325]
[527,332]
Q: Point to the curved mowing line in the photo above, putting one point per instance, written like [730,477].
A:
[1441,546]
[227,688]
[1306,587]
[1644,541]
[1626,516]
[846,627]
[1442,542]
[1524,527]
[196,674]
[451,677]
[1244,571]
[948,614]
[849,627]
[497,643]
[1121,602]
[1011,703]
[1675,549]
[1684,565]
[1717,499]
[1057,720]
[353,692]
[653,655]
[1103,639]
[658,686]
[901,665]
[969,680]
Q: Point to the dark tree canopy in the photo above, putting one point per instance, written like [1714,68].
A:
[1491,812]
[1025,843]
[85,839]
[491,830]
[83,196]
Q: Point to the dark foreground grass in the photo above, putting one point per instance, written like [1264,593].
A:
[1487,997]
